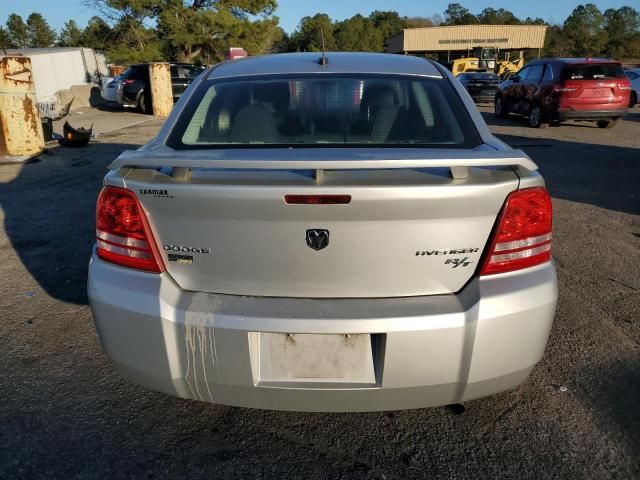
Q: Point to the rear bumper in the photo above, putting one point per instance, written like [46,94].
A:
[568,114]
[110,94]
[482,95]
[431,350]
[483,98]
[128,99]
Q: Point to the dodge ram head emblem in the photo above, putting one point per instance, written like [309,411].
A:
[317,238]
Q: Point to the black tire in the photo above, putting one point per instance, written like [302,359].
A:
[143,103]
[633,99]
[535,117]
[499,108]
[607,123]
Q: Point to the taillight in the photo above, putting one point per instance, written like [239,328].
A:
[127,82]
[624,85]
[522,237]
[123,235]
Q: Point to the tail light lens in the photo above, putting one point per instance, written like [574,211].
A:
[522,238]
[123,235]
[127,82]
[624,85]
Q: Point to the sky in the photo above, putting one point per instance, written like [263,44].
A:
[291,11]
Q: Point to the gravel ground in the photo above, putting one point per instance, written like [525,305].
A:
[66,413]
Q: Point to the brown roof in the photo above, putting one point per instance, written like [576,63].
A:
[463,37]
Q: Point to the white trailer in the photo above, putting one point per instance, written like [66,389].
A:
[57,70]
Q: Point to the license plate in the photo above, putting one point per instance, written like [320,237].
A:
[599,92]
[316,358]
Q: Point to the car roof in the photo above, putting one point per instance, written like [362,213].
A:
[173,64]
[479,73]
[573,60]
[337,62]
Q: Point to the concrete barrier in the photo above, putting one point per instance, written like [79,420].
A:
[80,96]
[20,125]
[161,92]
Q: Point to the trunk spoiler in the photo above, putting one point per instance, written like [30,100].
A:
[458,161]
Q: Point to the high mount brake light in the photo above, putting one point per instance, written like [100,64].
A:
[317,199]
[522,237]
[123,235]
[565,88]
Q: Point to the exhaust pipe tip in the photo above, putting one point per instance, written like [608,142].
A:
[455,409]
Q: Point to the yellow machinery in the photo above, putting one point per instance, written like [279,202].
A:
[507,66]
[482,60]
[463,65]
[485,60]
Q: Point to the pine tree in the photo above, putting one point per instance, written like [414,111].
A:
[623,32]
[311,30]
[584,31]
[456,14]
[358,34]
[187,30]
[40,34]
[96,34]
[206,29]
[388,23]
[491,16]
[5,40]
[70,35]
[17,31]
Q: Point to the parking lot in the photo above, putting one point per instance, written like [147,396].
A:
[66,413]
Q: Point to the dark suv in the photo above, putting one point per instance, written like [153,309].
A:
[134,90]
[480,85]
[549,91]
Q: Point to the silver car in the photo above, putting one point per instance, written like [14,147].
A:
[110,87]
[337,234]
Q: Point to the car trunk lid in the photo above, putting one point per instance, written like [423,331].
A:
[403,232]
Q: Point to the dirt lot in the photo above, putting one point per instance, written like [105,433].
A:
[66,413]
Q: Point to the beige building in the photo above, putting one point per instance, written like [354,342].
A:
[464,38]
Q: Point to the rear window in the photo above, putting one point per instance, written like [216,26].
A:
[128,73]
[190,71]
[137,72]
[483,76]
[186,71]
[592,71]
[324,111]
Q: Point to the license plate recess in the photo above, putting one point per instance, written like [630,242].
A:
[347,359]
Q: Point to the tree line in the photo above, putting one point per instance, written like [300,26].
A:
[202,30]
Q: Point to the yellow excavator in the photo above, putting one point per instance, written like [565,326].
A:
[482,60]
[486,60]
[508,66]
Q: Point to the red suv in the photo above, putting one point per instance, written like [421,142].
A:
[551,90]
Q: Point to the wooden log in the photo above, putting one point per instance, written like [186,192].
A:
[161,92]
[20,124]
